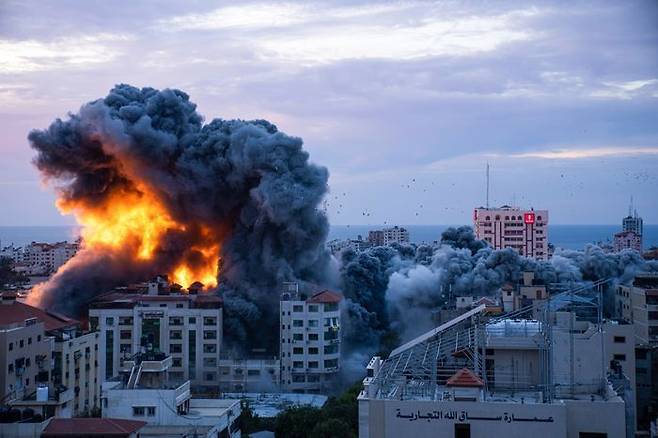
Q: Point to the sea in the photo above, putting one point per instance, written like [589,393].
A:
[562,236]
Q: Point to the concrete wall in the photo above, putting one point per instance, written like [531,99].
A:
[394,418]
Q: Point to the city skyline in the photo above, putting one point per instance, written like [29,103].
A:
[404,109]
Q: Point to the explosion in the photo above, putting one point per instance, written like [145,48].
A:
[232,204]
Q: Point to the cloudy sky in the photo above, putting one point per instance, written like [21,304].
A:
[404,102]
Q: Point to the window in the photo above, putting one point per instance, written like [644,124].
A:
[138,411]
[462,431]
[620,339]
[125,334]
[125,320]
[29,340]
[210,348]
[312,336]
[109,321]
[297,336]
[297,323]
[313,323]
[11,346]
[313,308]
[313,350]
[298,364]
[331,363]
[177,362]
[297,308]
[620,357]
[331,307]
[191,320]
[10,369]
[175,334]
[313,364]
[209,334]
[150,411]
[298,350]
[21,343]
[210,376]
[175,348]
[330,349]
[209,321]
[38,338]
[209,362]
[313,378]
[175,320]
[592,435]
[298,378]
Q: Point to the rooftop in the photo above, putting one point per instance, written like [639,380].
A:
[130,300]
[91,427]
[326,296]
[466,379]
[15,312]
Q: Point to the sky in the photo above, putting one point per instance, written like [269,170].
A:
[403,102]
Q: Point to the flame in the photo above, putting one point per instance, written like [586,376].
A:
[135,221]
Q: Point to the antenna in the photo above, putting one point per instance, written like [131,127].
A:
[630,207]
[487,184]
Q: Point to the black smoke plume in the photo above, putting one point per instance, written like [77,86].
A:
[250,183]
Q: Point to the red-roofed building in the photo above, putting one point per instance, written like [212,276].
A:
[92,427]
[46,362]
[310,340]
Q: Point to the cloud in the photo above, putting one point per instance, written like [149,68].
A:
[572,154]
[24,56]
[316,34]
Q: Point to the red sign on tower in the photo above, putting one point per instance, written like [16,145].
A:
[529,218]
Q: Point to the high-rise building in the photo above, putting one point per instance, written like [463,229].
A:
[525,231]
[153,317]
[310,340]
[637,304]
[631,233]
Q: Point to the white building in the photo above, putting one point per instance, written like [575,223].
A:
[526,231]
[627,240]
[310,340]
[502,377]
[47,257]
[388,236]
[153,317]
[145,390]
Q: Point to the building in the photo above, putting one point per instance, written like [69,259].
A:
[47,257]
[92,427]
[147,390]
[157,317]
[627,240]
[638,305]
[310,340]
[388,236]
[481,377]
[529,291]
[249,375]
[48,363]
[337,246]
[525,231]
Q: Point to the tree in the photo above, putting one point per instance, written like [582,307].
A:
[7,273]
[296,422]
[332,428]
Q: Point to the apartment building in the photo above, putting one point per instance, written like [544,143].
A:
[310,340]
[388,236]
[48,257]
[627,240]
[47,360]
[249,375]
[638,305]
[147,389]
[155,317]
[525,231]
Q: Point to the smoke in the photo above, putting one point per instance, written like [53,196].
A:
[398,293]
[242,186]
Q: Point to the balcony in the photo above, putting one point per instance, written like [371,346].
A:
[151,363]
[183,393]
